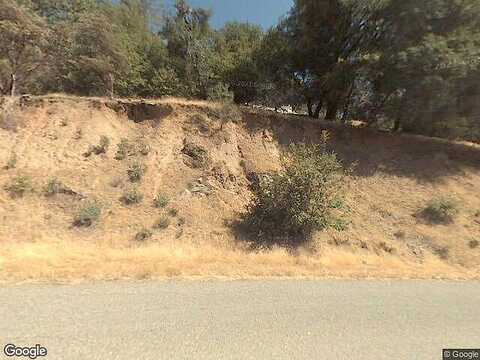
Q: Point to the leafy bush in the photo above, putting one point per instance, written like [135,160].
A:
[131,197]
[143,235]
[19,186]
[162,223]
[304,197]
[441,210]
[87,215]
[160,201]
[135,172]
[53,187]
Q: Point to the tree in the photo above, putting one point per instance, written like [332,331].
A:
[428,72]
[23,44]
[99,57]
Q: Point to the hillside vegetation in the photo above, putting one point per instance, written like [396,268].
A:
[93,188]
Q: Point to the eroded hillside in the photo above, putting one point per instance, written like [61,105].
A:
[199,166]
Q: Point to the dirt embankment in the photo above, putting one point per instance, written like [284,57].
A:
[198,166]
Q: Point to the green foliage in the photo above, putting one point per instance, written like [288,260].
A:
[19,186]
[23,45]
[143,235]
[132,197]
[162,223]
[160,201]
[290,205]
[440,210]
[87,215]
[135,172]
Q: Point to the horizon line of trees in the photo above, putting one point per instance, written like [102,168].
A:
[410,65]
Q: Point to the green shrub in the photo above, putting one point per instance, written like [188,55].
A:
[131,197]
[440,211]
[124,149]
[143,235]
[19,186]
[135,172]
[162,223]
[302,198]
[53,187]
[160,201]
[87,215]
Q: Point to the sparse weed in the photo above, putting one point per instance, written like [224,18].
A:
[143,235]
[131,197]
[160,201]
[12,161]
[53,187]
[124,149]
[173,212]
[162,223]
[87,215]
[19,186]
[474,244]
[135,172]
[143,148]
[99,149]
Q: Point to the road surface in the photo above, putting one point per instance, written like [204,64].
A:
[354,320]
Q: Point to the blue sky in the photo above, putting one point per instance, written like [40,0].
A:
[262,12]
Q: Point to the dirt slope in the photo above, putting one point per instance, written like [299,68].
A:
[202,167]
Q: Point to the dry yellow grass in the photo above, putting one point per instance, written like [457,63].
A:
[394,179]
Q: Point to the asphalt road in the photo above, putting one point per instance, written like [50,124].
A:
[352,320]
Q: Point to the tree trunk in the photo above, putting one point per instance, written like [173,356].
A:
[111,82]
[346,108]
[396,125]
[13,84]
[332,109]
[316,115]
[310,107]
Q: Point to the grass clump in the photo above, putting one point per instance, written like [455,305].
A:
[440,211]
[302,198]
[162,223]
[135,172]
[53,187]
[160,201]
[132,197]
[19,186]
[87,215]
[143,235]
